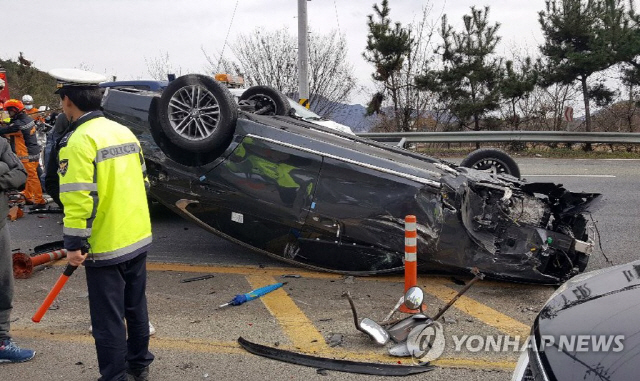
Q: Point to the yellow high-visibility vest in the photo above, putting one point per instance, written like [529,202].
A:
[103,189]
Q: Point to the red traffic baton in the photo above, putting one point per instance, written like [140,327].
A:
[53,293]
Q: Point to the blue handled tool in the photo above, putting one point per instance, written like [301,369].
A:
[243,298]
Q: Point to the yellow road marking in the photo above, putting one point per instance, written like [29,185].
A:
[434,286]
[278,271]
[480,311]
[232,348]
[474,363]
[305,336]
[445,362]
[239,270]
[300,330]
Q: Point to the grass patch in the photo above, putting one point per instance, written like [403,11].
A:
[565,153]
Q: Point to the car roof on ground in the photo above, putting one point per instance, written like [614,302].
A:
[138,84]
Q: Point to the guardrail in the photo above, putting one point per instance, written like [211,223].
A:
[504,136]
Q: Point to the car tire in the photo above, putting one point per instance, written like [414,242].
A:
[264,100]
[197,114]
[487,158]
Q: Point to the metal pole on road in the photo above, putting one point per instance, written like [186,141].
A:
[303,54]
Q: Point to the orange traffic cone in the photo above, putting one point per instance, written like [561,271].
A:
[410,259]
[23,264]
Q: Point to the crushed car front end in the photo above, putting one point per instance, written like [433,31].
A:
[515,230]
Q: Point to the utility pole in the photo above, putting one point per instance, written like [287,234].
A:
[303,54]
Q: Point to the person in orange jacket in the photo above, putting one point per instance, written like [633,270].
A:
[30,109]
[21,132]
[34,112]
[27,101]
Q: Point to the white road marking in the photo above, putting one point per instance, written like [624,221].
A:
[607,176]
[610,159]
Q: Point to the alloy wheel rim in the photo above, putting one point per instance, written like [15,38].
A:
[194,112]
[489,164]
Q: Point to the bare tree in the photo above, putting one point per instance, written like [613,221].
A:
[631,80]
[630,110]
[159,67]
[270,58]
[549,106]
[330,75]
[414,102]
[222,65]
[621,116]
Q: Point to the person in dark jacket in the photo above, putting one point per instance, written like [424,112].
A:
[12,176]
[21,132]
[51,180]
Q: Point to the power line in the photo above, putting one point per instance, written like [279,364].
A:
[337,19]
[228,30]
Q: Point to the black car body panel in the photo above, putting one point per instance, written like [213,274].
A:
[316,197]
[603,307]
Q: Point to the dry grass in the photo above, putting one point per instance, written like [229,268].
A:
[575,151]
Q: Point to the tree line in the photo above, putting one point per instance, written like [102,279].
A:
[470,87]
[435,77]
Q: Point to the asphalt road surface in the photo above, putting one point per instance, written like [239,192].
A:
[197,341]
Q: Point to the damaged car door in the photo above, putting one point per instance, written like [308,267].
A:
[260,194]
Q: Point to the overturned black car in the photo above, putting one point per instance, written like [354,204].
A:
[252,172]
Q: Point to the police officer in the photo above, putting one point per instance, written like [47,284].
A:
[106,223]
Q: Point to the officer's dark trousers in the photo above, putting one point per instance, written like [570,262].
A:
[6,281]
[117,293]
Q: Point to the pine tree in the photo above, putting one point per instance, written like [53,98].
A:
[387,49]
[583,37]
[469,80]
[518,82]
[631,69]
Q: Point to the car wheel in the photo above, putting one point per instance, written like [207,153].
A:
[264,100]
[488,158]
[197,114]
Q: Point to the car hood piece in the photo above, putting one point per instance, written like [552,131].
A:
[601,314]
[332,364]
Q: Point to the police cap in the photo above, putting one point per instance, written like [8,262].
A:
[76,79]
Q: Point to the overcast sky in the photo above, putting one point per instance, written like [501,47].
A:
[117,37]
